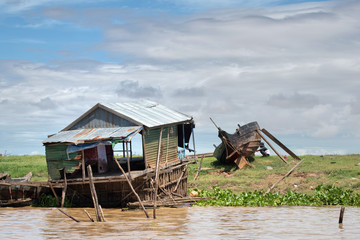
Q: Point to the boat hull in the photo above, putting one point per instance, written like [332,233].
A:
[246,140]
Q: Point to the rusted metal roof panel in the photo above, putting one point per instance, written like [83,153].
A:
[147,113]
[92,135]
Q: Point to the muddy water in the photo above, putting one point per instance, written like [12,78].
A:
[183,223]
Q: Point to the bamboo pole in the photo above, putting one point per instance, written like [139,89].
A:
[132,188]
[63,194]
[263,137]
[91,219]
[157,173]
[287,174]
[93,194]
[66,214]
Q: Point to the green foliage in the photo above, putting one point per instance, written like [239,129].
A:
[50,201]
[323,195]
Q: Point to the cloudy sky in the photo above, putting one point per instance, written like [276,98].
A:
[293,66]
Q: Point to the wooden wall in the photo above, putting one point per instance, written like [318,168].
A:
[169,146]
[57,159]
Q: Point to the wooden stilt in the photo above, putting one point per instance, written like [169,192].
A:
[93,194]
[263,137]
[83,165]
[157,173]
[63,194]
[342,210]
[132,188]
[128,160]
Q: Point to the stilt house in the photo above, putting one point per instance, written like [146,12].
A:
[103,138]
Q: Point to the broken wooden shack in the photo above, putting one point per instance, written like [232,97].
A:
[103,138]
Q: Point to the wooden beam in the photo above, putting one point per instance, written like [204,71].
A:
[263,137]
[275,140]
[66,214]
[157,173]
[286,175]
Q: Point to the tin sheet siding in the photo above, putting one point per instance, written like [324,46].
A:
[100,118]
[57,159]
[168,147]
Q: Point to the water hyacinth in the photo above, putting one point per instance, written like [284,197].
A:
[323,195]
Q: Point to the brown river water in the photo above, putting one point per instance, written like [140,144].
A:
[183,223]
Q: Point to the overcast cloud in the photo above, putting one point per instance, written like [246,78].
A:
[294,68]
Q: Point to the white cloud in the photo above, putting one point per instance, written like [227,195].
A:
[294,69]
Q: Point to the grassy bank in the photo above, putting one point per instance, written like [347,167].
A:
[334,170]
[19,166]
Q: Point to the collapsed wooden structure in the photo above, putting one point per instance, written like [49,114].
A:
[239,147]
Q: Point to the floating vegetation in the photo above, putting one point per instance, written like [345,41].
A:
[50,201]
[323,195]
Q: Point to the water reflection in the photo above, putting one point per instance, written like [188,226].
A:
[182,223]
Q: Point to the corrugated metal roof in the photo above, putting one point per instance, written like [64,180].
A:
[147,113]
[92,135]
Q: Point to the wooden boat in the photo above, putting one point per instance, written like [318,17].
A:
[238,147]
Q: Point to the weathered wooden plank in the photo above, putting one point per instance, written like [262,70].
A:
[274,139]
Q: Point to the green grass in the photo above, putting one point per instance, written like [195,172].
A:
[335,170]
[19,166]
